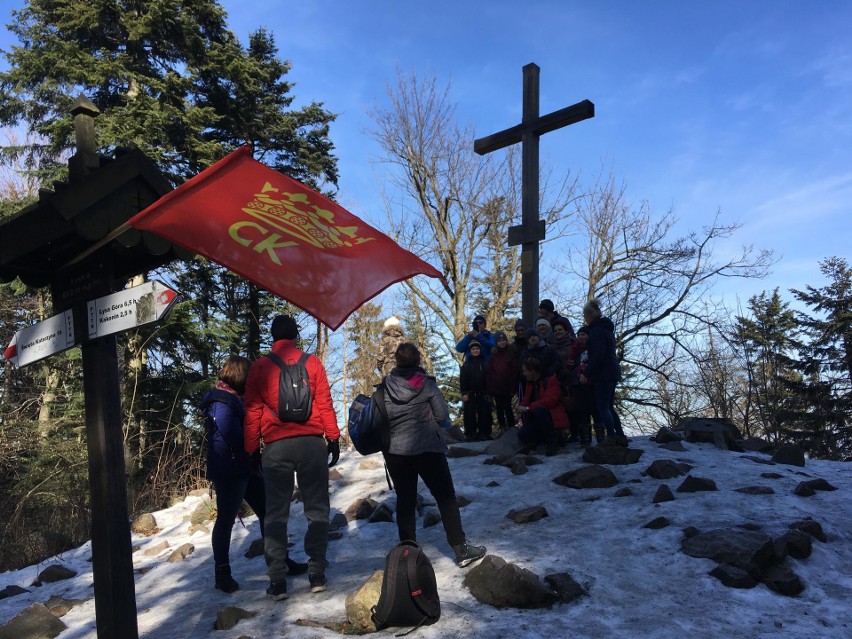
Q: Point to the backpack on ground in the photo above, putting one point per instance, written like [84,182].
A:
[369,426]
[409,594]
[294,390]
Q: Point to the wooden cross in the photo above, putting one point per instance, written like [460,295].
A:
[532,229]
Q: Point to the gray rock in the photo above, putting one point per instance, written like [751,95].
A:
[795,543]
[756,490]
[519,466]
[255,549]
[507,444]
[431,518]
[456,452]
[12,590]
[497,583]
[656,524]
[230,616]
[720,432]
[771,475]
[565,587]
[733,576]
[676,447]
[180,553]
[666,436]
[623,492]
[60,606]
[359,603]
[382,514]
[54,573]
[338,521]
[811,527]
[667,469]
[34,622]
[783,581]
[751,551]
[758,460]
[144,524]
[756,444]
[820,484]
[587,477]
[803,490]
[789,455]
[664,493]
[334,475]
[155,549]
[527,515]
[361,509]
[613,455]
[696,484]
[203,512]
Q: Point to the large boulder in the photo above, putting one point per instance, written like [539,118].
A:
[667,469]
[359,604]
[750,550]
[587,477]
[35,622]
[719,432]
[613,455]
[503,585]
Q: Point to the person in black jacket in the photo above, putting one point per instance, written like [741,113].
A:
[603,370]
[417,412]
[477,403]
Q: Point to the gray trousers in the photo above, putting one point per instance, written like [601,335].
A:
[307,457]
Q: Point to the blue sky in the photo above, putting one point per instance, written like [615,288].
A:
[730,106]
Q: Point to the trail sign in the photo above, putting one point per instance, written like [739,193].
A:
[129,308]
[51,336]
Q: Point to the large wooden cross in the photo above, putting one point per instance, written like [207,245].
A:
[532,229]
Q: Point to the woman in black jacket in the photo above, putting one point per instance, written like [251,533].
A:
[603,370]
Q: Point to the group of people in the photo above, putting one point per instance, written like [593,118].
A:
[241,415]
[551,382]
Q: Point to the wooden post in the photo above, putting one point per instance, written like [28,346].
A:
[112,561]
[532,229]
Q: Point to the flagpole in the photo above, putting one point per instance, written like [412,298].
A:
[94,247]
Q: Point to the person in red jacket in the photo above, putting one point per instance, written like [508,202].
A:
[289,448]
[540,407]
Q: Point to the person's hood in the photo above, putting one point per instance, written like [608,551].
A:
[405,384]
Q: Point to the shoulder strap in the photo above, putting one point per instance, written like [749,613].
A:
[280,363]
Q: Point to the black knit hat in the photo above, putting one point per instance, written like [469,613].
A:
[546,305]
[284,327]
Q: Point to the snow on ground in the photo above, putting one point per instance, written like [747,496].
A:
[639,583]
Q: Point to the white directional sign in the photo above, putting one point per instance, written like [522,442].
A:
[53,335]
[130,308]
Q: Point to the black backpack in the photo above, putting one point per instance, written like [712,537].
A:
[294,390]
[369,426]
[409,590]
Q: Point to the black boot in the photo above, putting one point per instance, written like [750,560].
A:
[224,581]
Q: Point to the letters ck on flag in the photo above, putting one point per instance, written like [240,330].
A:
[281,235]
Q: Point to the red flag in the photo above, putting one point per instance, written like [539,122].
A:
[282,236]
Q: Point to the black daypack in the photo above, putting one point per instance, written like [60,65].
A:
[409,594]
[369,426]
[294,390]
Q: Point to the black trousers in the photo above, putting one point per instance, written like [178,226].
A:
[435,472]
[477,416]
[505,414]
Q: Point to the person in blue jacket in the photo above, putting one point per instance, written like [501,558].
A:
[236,475]
[481,335]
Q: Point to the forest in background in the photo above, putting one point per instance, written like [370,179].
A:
[173,81]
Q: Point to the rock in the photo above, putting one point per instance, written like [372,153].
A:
[667,469]
[566,589]
[519,466]
[790,455]
[803,490]
[359,603]
[497,583]
[431,518]
[361,509]
[255,549]
[507,444]
[811,527]
[144,524]
[720,432]
[229,616]
[198,492]
[756,490]
[733,576]
[664,493]
[180,553]
[690,531]
[59,606]
[612,455]
[492,484]
[758,460]
[382,514]
[194,528]
[795,543]
[623,492]
[34,622]
[334,475]
[676,447]
[783,581]
[155,549]
[527,515]
[462,501]
[820,484]
[454,434]
[338,521]
[370,464]
[54,573]
[771,475]
[587,477]
[12,590]
[696,484]
[463,451]
[656,524]
[666,436]
[756,444]
[751,551]
[203,512]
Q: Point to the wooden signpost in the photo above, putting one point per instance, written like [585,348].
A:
[532,229]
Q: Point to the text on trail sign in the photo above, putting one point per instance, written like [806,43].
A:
[51,336]
[130,308]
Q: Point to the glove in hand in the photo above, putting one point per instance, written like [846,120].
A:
[334,451]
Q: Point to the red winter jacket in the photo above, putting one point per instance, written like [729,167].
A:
[548,393]
[261,402]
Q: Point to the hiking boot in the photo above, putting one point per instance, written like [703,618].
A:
[296,568]
[318,581]
[224,581]
[277,590]
[467,553]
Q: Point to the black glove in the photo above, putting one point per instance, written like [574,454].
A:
[334,451]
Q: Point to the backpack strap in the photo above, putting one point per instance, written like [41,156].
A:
[379,395]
